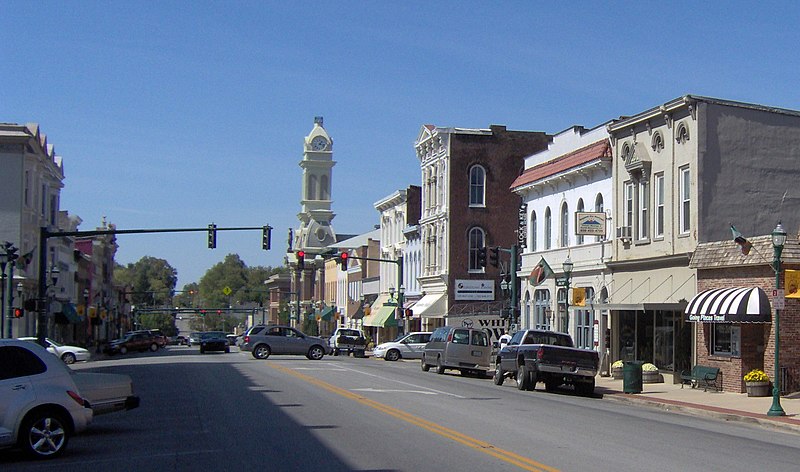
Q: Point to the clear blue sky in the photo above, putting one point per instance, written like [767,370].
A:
[178,114]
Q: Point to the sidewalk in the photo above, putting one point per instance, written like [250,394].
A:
[694,401]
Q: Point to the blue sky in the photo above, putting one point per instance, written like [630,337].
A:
[178,114]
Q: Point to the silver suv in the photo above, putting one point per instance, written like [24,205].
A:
[265,340]
[465,349]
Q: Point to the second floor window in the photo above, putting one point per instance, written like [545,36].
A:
[659,206]
[534,235]
[644,204]
[685,200]
[476,242]
[564,225]
[579,237]
[477,186]
[548,228]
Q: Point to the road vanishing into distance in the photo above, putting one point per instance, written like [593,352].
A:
[230,412]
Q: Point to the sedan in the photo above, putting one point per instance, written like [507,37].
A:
[68,354]
[406,346]
[214,341]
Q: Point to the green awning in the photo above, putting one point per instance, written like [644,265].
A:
[383,318]
[327,313]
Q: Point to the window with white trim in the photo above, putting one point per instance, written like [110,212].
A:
[643,229]
[659,205]
[476,243]
[584,324]
[532,241]
[598,207]
[541,307]
[564,239]
[477,186]
[548,228]
[579,237]
[685,200]
[627,217]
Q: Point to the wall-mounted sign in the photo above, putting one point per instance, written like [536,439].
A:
[590,223]
[474,290]
[522,231]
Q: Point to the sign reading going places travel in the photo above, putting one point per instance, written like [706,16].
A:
[475,290]
[590,223]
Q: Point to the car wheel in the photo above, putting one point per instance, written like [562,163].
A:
[154,347]
[392,355]
[439,366]
[315,353]
[523,378]
[68,358]
[261,351]
[123,350]
[227,350]
[499,374]
[425,367]
[44,434]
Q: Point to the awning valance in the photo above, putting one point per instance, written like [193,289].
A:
[730,305]
[327,313]
[431,306]
[383,317]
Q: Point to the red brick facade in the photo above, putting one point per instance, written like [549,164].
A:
[757,340]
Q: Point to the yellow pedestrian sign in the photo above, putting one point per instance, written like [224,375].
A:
[227,291]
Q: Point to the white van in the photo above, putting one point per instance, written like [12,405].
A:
[465,349]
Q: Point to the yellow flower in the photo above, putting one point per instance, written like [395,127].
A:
[756,375]
[648,367]
[616,365]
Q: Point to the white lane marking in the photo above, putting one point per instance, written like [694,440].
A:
[388,390]
[404,383]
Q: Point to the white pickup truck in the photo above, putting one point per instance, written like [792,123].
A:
[347,341]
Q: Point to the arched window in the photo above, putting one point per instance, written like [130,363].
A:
[311,191]
[548,228]
[476,242]
[564,239]
[579,237]
[324,191]
[598,207]
[542,310]
[527,307]
[534,235]
[477,186]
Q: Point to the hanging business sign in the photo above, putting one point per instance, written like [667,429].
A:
[474,290]
[522,231]
[590,223]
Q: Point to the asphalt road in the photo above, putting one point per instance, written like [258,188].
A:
[220,412]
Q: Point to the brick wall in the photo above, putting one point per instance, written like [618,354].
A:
[758,345]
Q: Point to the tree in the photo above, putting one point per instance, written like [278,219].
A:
[164,322]
[150,281]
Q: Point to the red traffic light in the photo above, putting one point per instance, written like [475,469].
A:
[343,260]
[343,256]
[301,259]
[18,313]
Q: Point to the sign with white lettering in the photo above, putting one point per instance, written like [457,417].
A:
[522,231]
[474,290]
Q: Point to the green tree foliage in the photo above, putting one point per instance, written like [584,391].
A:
[213,321]
[150,281]
[188,297]
[164,322]
[246,284]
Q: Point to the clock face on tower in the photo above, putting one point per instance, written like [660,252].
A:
[319,143]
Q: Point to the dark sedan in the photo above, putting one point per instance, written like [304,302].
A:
[214,341]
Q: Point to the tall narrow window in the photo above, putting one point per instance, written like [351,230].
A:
[548,228]
[598,207]
[324,191]
[628,198]
[534,235]
[311,191]
[685,200]
[476,242]
[477,186]
[27,188]
[584,324]
[542,310]
[644,204]
[564,226]
[579,237]
[659,205]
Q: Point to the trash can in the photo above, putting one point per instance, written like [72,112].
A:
[632,376]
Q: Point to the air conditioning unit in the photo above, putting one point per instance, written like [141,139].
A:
[624,233]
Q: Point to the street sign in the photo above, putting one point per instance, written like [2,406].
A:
[561,281]
[227,291]
[778,301]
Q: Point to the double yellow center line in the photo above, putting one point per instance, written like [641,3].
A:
[470,442]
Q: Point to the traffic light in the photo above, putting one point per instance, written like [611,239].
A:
[18,312]
[202,313]
[343,260]
[212,236]
[266,237]
[301,259]
[494,257]
[482,257]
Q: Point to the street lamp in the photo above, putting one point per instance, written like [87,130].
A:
[778,240]
[401,309]
[567,267]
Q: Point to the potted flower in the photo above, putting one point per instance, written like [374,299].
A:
[616,370]
[757,383]
[650,374]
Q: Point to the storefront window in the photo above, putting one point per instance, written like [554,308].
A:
[726,340]
[541,306]
[664,343]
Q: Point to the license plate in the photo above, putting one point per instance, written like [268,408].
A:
[476,353]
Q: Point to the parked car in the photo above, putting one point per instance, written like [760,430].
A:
[348,340]
[68,354]
[160,339]
[41,404]
[134,341]
[265,340]
[214,341]
[406,346]
[464,349]
[106,393]
[231,339]
[194,338]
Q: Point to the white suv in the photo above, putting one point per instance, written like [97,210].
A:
[40,406]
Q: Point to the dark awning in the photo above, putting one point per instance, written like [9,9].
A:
[730,305]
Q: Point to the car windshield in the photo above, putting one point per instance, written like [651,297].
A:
[213,335]
[55,344]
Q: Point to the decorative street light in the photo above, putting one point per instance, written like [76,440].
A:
[778,240]
[567,267]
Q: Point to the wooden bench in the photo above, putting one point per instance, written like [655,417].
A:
[701,375]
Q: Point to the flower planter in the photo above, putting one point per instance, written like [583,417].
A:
[757,389]
[652,377]
[616,373]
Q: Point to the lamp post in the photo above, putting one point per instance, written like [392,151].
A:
[778,240]
[567,267]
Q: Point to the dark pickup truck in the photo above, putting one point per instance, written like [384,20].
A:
[546,356]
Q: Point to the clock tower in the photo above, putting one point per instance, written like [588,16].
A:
[316,233]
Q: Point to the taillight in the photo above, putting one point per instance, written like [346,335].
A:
[450,337]
[247,339]
[78,399]
[540,353]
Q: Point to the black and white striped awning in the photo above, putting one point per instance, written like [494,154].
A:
[730,305]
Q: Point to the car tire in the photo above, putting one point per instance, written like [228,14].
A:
[153,347]
[68,358]
[499,374]
[261,351]
[123,350]
[316,353]
[439,366]
[523,378]
[393,355]
[425,367]
[44,424]
[227,350]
